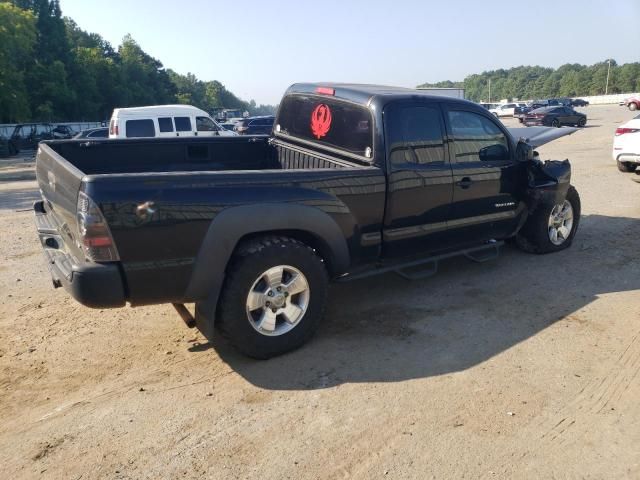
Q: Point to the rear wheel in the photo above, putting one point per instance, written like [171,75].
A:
[273,298]
[555,122]
[626,166]
[633,106]
[551,228]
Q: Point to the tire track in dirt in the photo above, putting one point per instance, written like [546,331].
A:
[575,419]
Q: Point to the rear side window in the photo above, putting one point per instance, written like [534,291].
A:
[165,124]
[476,138]
[414,135]
[140,128]
[327,121]
[183,124]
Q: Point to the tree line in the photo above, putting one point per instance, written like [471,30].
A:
[52,70]
[535,82]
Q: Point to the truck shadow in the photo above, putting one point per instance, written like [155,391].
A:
[386,329]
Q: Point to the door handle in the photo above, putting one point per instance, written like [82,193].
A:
[465,183]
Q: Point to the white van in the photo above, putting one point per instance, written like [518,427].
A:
[163,121]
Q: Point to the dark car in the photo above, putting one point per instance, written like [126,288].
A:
[8,146]
[62,132]
[100,132]
[255,125]
[579,102]
[521,111]
[555,117]
[27,135]
[354,180]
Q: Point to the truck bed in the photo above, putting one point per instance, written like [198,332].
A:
[188,155]
[189,183]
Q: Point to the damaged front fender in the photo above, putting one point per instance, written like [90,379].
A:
[547,182]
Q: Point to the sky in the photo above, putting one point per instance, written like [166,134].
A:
[258,48]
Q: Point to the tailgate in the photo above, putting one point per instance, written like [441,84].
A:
[59,184]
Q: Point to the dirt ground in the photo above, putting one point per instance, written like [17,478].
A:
[524,367]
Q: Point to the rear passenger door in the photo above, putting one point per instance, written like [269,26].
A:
[485,178]
[184,126]
[165,127]
[419,179]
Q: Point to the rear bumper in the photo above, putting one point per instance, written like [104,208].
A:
[96,285]
[627,157]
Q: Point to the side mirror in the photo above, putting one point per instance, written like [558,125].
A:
[524,151]
[494,152]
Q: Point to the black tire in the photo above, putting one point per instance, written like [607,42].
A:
[633,106]
[626,167]
[534,236]
[582,122]
[246,266]
[555,123]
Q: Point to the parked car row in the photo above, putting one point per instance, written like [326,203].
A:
[520,110]
[26,136]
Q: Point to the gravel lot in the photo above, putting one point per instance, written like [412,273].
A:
[523,367]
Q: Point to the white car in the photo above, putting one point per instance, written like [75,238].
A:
[626,145]
[504,110]
[164,121]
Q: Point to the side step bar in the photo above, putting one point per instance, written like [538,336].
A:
[482,253]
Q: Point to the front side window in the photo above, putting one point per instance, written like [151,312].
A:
[205,124]
[476,138]
[140,128]
[327,121]
[414,135]
[183,124]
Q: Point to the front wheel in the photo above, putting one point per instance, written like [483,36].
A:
[633,106]
[273,298]
[551,228]
[582,122]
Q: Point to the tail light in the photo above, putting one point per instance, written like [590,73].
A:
[95,237]
[113,128]
[622,131]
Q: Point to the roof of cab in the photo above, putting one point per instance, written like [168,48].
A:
[158,110]
[366,94]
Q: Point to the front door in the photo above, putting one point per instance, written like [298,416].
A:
[419,180]
[485,178]
[205,127]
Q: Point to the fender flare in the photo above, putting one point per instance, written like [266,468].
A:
[233,223]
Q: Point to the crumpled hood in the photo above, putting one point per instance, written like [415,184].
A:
[537,136]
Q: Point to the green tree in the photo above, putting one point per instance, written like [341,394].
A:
[17,41]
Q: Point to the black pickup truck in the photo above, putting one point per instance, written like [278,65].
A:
[354,180]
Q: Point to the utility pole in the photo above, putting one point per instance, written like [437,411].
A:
[489,90]
[606,88]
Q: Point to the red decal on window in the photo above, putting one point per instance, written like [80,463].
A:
[320,121]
